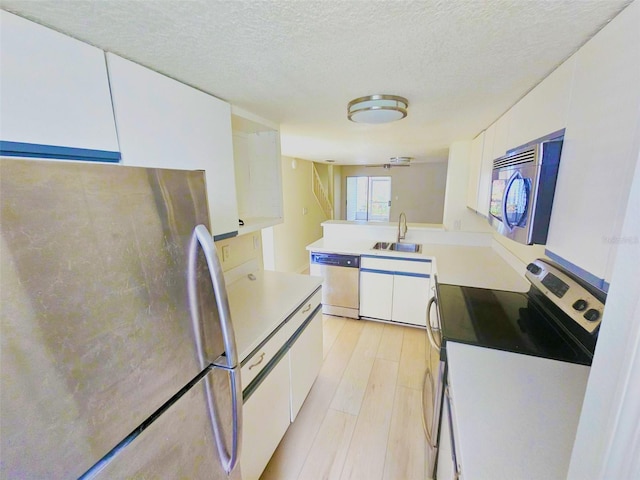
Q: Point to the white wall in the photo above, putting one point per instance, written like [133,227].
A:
[417,190]
[298,229]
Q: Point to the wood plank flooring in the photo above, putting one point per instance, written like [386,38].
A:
[362,417]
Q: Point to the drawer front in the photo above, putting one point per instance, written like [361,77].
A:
[304,312]
[261,357]
[392,265]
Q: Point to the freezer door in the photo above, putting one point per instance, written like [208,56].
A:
[180,442]
[96,331]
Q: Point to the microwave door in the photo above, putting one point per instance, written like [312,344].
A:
[516,202]
[512,202]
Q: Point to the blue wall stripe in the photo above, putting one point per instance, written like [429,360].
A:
[424,260]
[33,150]
[579,271]
[391,272]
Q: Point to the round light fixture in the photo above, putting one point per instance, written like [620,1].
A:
[400,160]
[377,109]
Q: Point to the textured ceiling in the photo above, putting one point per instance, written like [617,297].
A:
[461,63]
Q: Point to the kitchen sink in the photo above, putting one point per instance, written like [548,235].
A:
[406,247]
[399,247]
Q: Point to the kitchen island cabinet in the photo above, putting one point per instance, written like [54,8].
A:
[163,123]
[55,100]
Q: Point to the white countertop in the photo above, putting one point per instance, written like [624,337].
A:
[515,415]
[259,306]
[455,264]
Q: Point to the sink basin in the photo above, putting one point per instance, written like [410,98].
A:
[398,247]
[406,247]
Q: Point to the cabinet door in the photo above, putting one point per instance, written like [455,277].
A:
[484,183]
[600,150]
[376,294]
[544,109]
[474,171]
[410,297]
[55,90]
[305,360]
[266,417]
[163,123]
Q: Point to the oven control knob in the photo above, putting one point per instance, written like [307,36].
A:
[592,315]
[580,305]
[533,268]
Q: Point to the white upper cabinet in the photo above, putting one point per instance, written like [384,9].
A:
[258,171]
[163,123]
[501,138]
[474,171]
[484,183]
[600,150]
[544,109]
[54,90]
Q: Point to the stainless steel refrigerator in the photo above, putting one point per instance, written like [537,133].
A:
[118,356]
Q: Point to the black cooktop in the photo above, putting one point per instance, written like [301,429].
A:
[503,320]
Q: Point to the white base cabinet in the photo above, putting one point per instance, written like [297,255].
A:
[376,294]
[305,360]
[276,378]
[395,289]
[266,417]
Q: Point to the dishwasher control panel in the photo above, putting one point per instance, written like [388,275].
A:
[335,259]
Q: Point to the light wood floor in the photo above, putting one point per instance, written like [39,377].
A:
[362,418]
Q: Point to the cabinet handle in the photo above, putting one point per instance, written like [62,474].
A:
[258,362]
[307,308]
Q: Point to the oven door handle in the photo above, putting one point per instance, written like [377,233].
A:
[430,333]
[428,376]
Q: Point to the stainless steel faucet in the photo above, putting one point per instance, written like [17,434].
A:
[402,232]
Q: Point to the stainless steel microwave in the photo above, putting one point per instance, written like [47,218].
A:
[523,183]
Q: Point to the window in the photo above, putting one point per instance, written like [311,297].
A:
[368,198]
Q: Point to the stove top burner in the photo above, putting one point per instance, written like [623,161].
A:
[505,321]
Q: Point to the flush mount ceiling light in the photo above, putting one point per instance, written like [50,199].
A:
[377,109]
[400,160]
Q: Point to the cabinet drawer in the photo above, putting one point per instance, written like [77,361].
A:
[420,266]
[254,364]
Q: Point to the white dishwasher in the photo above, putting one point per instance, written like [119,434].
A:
[340,289]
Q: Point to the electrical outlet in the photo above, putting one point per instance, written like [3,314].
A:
[226,251]
[457,224]
[256,242]
[305,210]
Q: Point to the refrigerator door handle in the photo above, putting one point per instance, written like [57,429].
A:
[228,460]
[228,362]
[201,236]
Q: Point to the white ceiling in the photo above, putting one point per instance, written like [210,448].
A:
[461,63]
